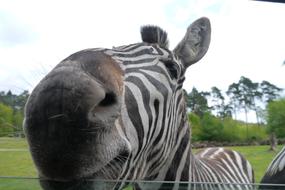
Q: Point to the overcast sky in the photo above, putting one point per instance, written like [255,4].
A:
[248,37]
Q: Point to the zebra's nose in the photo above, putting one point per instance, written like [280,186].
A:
[69,112]
[66,99]
[62,116]
[81,92]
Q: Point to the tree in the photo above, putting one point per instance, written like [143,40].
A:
[21,100]
[6,120]
[197,102]
[195,123]
[16,103]
[243,95]
[249,92]
[270,91]
[218,99]
[276,120]
[212,128]
[223,110]
[234,94]
[261,114]
[8,98]
[18,120]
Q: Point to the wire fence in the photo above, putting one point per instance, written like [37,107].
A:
[21,183]
[16,134]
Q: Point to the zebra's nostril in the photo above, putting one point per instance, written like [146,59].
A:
[110,99]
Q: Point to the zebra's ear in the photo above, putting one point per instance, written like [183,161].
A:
[195,43]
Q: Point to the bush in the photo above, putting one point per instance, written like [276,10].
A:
[211,128]
[231,131]
[195,124]
[276,117]
[6,119]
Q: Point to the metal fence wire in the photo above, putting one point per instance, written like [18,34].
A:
[22,183]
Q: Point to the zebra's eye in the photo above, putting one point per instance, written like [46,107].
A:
[171,67]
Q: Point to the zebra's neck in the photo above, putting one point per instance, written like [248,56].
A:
[183,165]
[180,161]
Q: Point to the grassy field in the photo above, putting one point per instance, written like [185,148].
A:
[15,161]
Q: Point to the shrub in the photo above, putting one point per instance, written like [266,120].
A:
[211,128]
[231,131]
[195,124]
[276,117]
[6,118]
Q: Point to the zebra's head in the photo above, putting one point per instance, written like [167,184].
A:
[114,113]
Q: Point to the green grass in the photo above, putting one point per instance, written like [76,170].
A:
[13,143]
[16,163]
[19,184]
[15,160]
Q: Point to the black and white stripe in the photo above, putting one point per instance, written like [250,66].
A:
[275,173]
[155,109]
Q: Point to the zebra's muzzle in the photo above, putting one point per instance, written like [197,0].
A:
[70,125]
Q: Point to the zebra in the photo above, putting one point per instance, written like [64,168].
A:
[275,173]
[120,114]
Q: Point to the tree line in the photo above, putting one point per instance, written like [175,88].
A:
[12,112]
[245,96]
[213,114]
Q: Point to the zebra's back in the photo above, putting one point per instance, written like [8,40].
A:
[223,166]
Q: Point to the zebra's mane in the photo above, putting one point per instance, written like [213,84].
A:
[154,35]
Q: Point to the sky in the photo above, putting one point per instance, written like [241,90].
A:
[247,36]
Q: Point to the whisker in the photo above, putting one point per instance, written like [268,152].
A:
[123,157]
[91,129]
[44,69]
[77,106]
[56,116]
[121,160]
[25,81]
[112,168]
[106,173]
